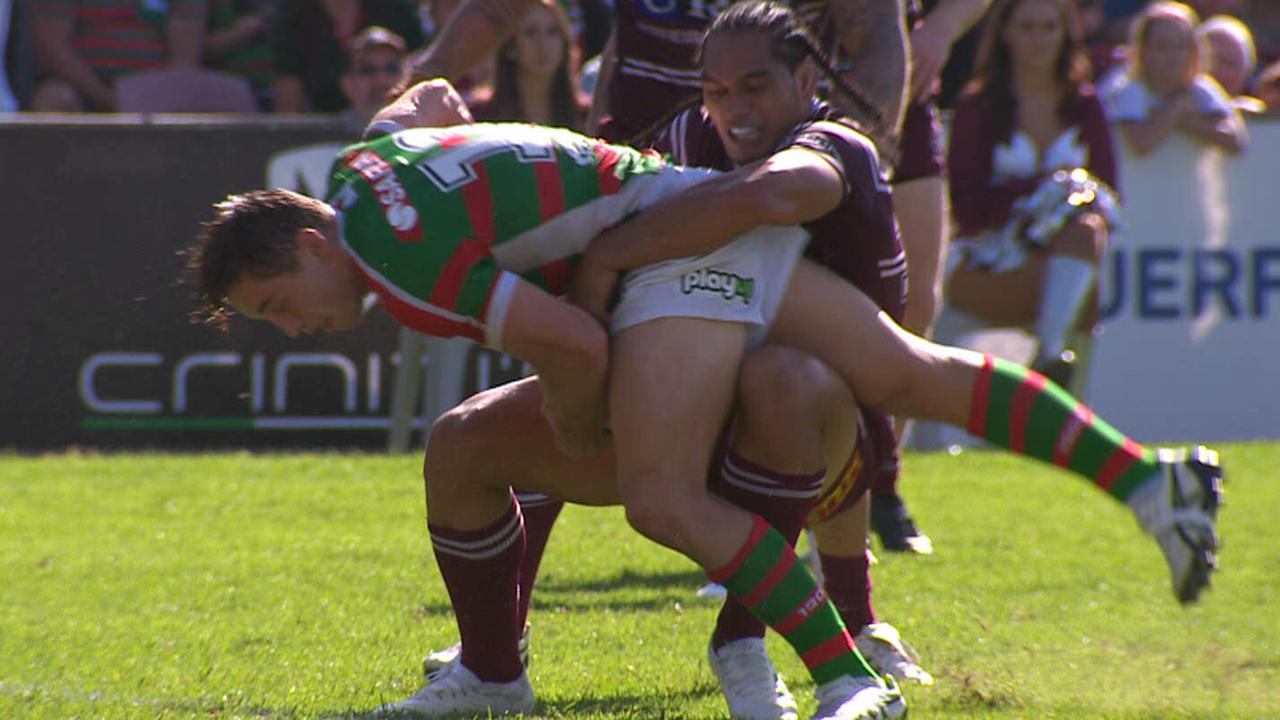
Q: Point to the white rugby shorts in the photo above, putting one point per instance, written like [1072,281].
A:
[743,281]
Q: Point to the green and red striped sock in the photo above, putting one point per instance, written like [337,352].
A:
[1020,409]
[766,578]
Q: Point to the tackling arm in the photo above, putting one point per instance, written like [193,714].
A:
[791,187]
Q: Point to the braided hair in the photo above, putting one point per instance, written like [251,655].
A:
[790,43]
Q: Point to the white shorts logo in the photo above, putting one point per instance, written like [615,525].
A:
[726,284]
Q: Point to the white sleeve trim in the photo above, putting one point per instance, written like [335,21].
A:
[499,304]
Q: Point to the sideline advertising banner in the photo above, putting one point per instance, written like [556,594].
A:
[1190,295]
[94,341]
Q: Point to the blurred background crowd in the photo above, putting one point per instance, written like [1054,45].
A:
[340,56]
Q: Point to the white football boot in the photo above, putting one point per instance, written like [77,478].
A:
[1179,506]
[886,652]
[455,691]
[752,687]
[436,661]
[859,698]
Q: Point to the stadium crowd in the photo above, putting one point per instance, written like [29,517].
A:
[1154,69]
[302,55]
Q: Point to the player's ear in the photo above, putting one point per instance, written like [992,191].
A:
[807,78]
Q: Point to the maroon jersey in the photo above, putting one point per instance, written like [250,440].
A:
[984,190]
[859,238]
[655,71]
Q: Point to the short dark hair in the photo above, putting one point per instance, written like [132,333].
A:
[251,233]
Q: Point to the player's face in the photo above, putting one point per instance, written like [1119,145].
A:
[319,295]
[1166,55]
[539,45]
[1034,34]
[752,98]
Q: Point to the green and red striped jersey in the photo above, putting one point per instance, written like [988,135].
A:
[120,37]
[442,220]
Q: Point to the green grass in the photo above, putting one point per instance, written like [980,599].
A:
[303,586]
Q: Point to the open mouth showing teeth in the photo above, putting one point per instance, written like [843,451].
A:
[739,133]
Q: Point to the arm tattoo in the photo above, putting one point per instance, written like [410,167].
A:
[873,37]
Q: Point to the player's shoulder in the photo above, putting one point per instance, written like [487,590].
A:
[692,139]
[831,132]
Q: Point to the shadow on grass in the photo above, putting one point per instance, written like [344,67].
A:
[551,594]
[686,581]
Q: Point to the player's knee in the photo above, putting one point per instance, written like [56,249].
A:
[782,388]
[659,516]
[460,440]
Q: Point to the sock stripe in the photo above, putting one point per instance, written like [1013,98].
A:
[1073,429]
[801,614]
[1119,461]
[1020,409]
[758,530]
[769,583]
[828,650]
[753,479]
[491,545]
[981,395]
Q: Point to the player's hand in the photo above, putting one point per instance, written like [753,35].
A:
[430,103]
[930,46]
[593,288]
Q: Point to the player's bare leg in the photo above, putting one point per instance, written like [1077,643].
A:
[671,384]
[794,418]
[478,537]
[1175,494]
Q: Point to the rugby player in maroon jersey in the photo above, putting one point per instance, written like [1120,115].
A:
[820,314]
[651,69]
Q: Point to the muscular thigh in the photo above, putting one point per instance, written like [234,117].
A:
[502,438]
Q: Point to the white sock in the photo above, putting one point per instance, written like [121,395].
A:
[1067,281]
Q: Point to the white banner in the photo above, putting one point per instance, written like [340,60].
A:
[1191,295]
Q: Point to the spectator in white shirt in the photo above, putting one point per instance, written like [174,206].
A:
[1164,92]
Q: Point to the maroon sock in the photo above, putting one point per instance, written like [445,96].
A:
[880,432]
[480,569]
[782,500]
[540,513]
[848,584]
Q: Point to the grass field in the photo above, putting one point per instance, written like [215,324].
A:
[303,586]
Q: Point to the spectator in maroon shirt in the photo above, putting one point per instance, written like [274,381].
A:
[1021,259]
